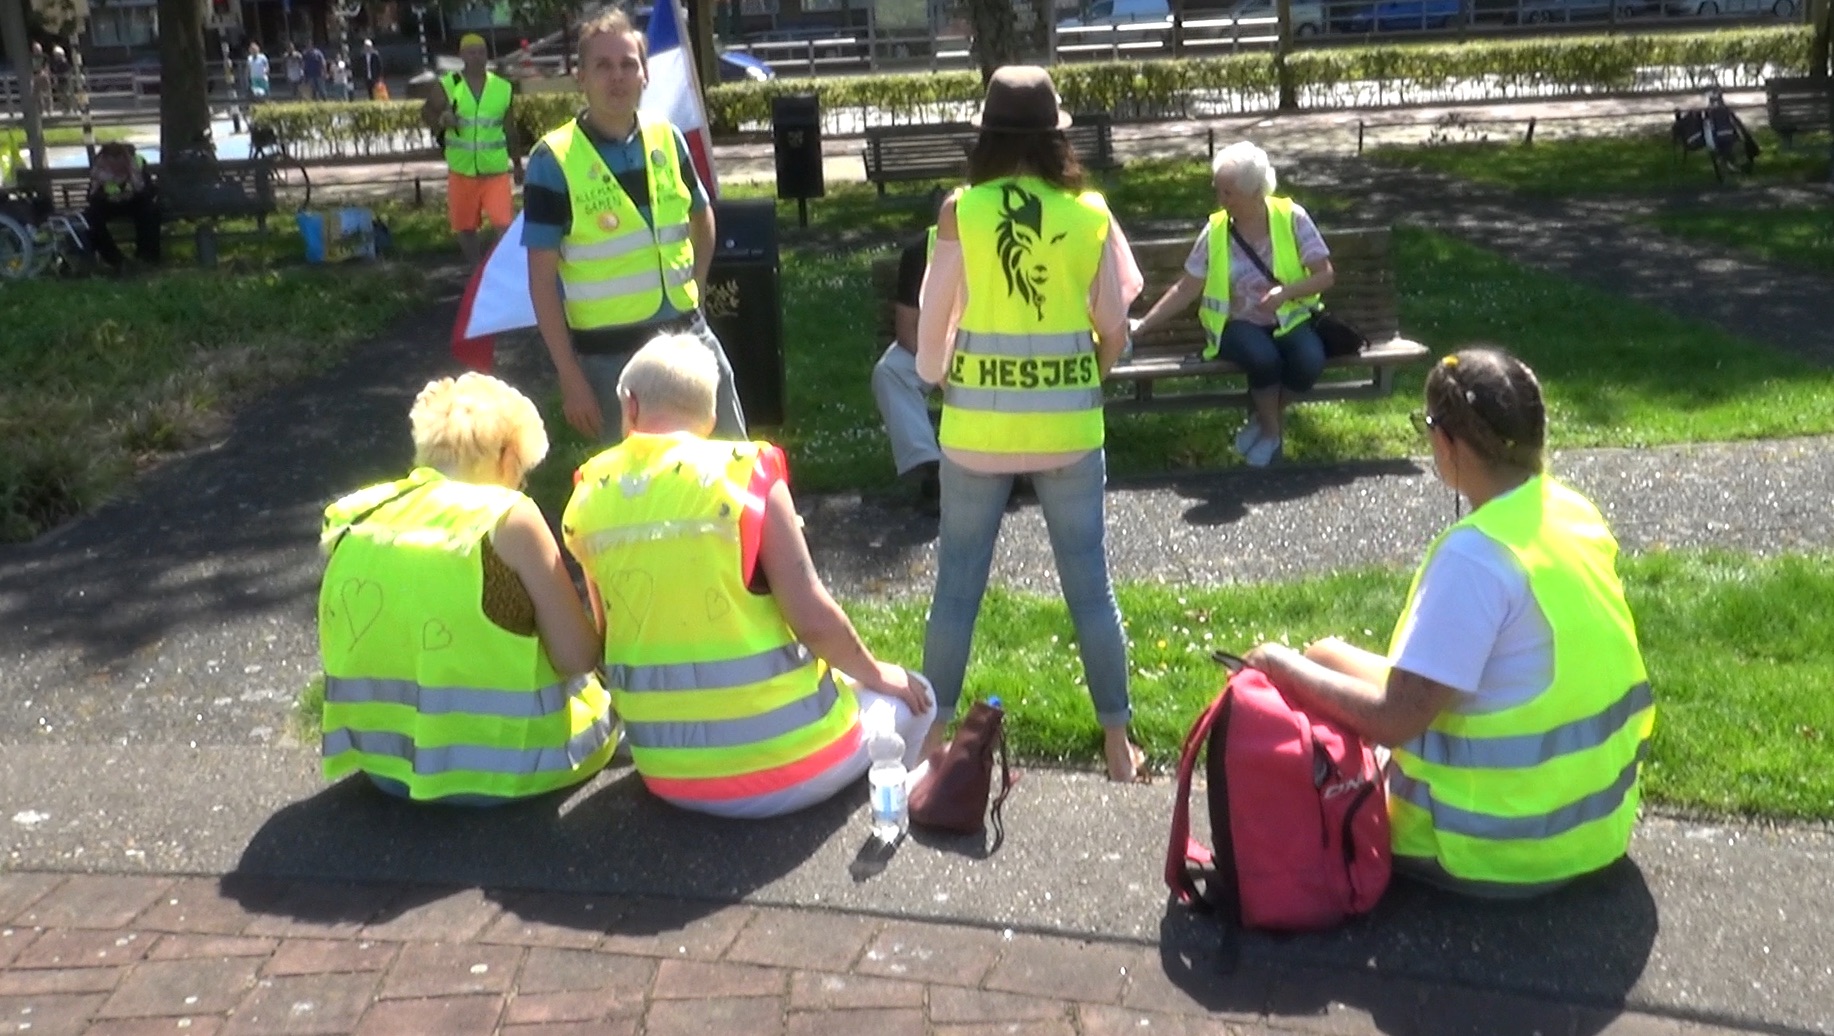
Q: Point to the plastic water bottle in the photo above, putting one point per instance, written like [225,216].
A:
[890,805]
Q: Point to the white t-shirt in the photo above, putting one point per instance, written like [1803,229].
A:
[1476,627]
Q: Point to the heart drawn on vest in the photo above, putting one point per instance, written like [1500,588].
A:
[717,605]
[362,601]
[435,636]
[632,591]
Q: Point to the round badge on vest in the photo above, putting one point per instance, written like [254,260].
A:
[656,158]
[608,221]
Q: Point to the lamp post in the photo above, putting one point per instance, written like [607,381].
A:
[342,15]
[420,23]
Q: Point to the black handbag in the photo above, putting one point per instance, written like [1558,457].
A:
[1339,338]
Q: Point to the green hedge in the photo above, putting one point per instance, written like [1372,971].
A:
[1389,74]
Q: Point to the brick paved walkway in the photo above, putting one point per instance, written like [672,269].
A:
[96,955]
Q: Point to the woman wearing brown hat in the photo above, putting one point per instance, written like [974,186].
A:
[1024,310]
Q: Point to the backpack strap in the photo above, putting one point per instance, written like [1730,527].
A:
[1181,849]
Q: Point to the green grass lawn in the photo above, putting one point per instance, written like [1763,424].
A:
[1742,725]
[1802,236]
[1616,373]
[1642,163]
[98,376]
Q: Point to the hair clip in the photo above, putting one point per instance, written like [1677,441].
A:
[1450,361]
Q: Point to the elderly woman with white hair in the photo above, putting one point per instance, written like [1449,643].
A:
[744,689]
[459,660]
[1261,324]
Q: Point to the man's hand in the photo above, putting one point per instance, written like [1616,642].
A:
[897,682]
[449,119]
[581,404]
[1271,659]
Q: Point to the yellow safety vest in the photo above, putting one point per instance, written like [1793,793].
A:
[1547,789]
[1025,377]
[420,685]
[479,145]
[1213,312]
[614,266]
[721,703]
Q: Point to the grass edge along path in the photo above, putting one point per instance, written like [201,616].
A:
[1742,726]
[99,377]
[1800,236]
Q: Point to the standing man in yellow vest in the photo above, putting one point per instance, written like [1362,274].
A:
[1514,695]
[472,109]
[744,689]
[619,234]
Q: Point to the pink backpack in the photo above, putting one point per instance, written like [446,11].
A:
[1298,809]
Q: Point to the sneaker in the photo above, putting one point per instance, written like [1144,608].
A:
[1246,438]
[1264,452]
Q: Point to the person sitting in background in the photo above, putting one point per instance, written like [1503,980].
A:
[120,189]
[1514,694]
[458,657]
[903,395]
[719,635]
[1261,326]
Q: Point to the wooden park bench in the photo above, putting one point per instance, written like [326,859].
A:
[939,151]
[1797,105]
[1166,371]
[1364,296]
[215,191]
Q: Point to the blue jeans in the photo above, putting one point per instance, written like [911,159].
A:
[1294,360]
[1073,504]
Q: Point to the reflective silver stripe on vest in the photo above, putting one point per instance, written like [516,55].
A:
[649,532]
[431,761]
[1022,401]
[1521,751]
[1216,305]
[708,676]
[477,145]
[440,701]
[622,245]
[1453,820]
[732,733]
[479,122]
[613,287]
[1066,343]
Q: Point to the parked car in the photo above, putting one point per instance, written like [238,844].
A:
[736,66]
[1537,12]
[1308,15]
[1120,12]
[1730,8]
[1402,15]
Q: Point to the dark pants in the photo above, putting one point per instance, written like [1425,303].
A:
[143,209]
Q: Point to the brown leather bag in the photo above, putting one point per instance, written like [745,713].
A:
[953,795]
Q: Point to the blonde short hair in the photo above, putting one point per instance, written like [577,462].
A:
[616,22]
[674,373]
[1246,168]
[459,422]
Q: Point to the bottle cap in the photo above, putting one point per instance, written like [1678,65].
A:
[995,702]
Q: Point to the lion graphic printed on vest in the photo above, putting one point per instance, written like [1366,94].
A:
[1021,229]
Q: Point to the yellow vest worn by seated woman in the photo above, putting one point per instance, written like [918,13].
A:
[1548,789]
[725,710]
[1282,230]
[421,687]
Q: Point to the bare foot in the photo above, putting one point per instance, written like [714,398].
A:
[1127,762]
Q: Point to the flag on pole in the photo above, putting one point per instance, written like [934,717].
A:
[497,297]
[674,90]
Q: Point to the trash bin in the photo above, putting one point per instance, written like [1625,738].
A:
[796,137]
[743,303]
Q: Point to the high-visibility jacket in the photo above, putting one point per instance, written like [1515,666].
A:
[113,190]
[1025,377]
[723,707]
[420,685]
[479,145]
[1213,312]
[614,267]
[1547,789]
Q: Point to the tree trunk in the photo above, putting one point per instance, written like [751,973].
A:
[1283,45]
[184,87]
[996,35]
[1821,16]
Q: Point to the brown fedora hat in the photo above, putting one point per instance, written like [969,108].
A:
[1021,99]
